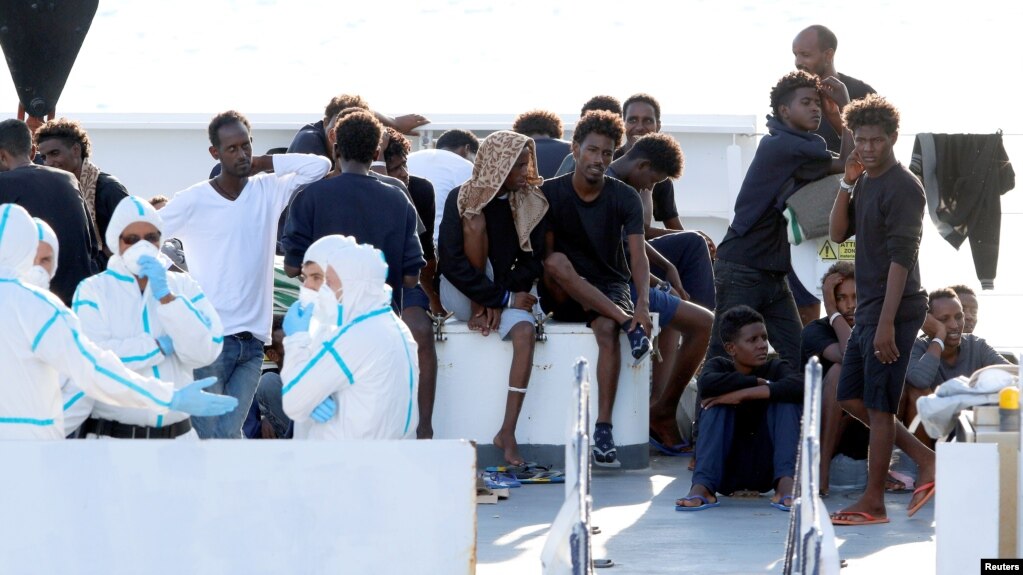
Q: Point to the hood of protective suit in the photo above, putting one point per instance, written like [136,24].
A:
[19,239]
[131,209]
[361,269]
[47,235]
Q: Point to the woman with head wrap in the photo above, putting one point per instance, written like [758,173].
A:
[40,340]
[158,322]
[350,364]
[490,239]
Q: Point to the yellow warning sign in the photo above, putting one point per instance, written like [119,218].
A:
[847,250]
[827,251]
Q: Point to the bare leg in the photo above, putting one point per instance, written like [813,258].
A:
[523,336]
[831,415]
[609,364]
[421,326]
[694,323]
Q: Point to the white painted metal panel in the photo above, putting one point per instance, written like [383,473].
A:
[964,534]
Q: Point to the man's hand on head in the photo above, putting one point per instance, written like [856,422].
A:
[834,90]
[933,328]
[831,283]
[853,168]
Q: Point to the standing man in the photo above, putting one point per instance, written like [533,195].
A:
[228,226]
[882,204]
[591,221]
[814,49]
[51,195]
[65,145]
[447,166]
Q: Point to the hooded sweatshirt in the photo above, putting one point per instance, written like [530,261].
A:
[40,339]
[368,362]
[119,317]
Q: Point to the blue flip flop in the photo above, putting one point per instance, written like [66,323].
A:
[780,505]
[677,450]
[706,503]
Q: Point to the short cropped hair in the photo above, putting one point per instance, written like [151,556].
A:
[600,122]
[15,137]
[453,139]
[873,110]
[358,136]
[68,131]
[224,119]
[607,103]
[844,268]
[736,318]
[662,151]
[398,145]
[342,101]
[783,92]
[644,99]
[538,122]
[158,199]
[941,293]
[826,39]
[962,289]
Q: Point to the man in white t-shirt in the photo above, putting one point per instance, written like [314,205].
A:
[228,226]
[447,166]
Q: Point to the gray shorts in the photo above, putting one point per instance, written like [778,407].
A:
[456,302]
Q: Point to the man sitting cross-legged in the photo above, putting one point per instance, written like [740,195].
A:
[749,429]
[490,239]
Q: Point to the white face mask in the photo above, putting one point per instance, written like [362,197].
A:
[37,276]
[325,304]
[132,254]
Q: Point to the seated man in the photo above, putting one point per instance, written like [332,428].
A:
[749,429]
[447,166]
[586,276]
[351,373]
[158,322]
[826,338]
[602,102]
[267,419]
[40,341]
[971,307]
[490,241]
[945,353]
[544,127]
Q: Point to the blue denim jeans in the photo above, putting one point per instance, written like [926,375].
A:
[768,293]
[237,372]
[271,403]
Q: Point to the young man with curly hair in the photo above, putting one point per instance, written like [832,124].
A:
[228,226]
[753,258]
[545,129]
[882,204]
[591,221]
[65,145]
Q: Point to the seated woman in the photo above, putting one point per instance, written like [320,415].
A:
[945,352]
[749,430]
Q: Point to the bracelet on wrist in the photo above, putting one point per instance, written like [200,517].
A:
[831,320]
[940,343]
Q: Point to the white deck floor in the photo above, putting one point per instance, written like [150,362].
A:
[642,533]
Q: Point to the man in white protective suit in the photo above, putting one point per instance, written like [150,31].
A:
[159,323]
[40,339]
[351,366]
[44,266]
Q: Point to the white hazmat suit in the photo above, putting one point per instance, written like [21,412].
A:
[40,339]
[367,361]
[119,317]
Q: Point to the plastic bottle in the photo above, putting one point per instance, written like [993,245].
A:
[1008,409]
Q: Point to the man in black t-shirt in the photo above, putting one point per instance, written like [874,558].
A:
[882,203]
[51,195]
[586,277]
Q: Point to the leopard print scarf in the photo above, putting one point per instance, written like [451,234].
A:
[87,186]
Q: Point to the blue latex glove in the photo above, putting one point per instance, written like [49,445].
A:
[166,344]
[324,411]
[153,270]
[192,400]
[297,319]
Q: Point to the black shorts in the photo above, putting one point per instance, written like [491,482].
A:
[570,310]
[864,377]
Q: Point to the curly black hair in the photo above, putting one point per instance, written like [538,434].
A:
[608,103]
[398,145]
[342,101]
[600,122]
[844,268]
[454,139]
[223,119]
[940,293]
[538,122]
[358,136]
[873,110]
[736,318]
[645,99]
[662,151]
[68,131]
[783,92]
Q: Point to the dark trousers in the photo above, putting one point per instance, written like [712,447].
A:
[687,251]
